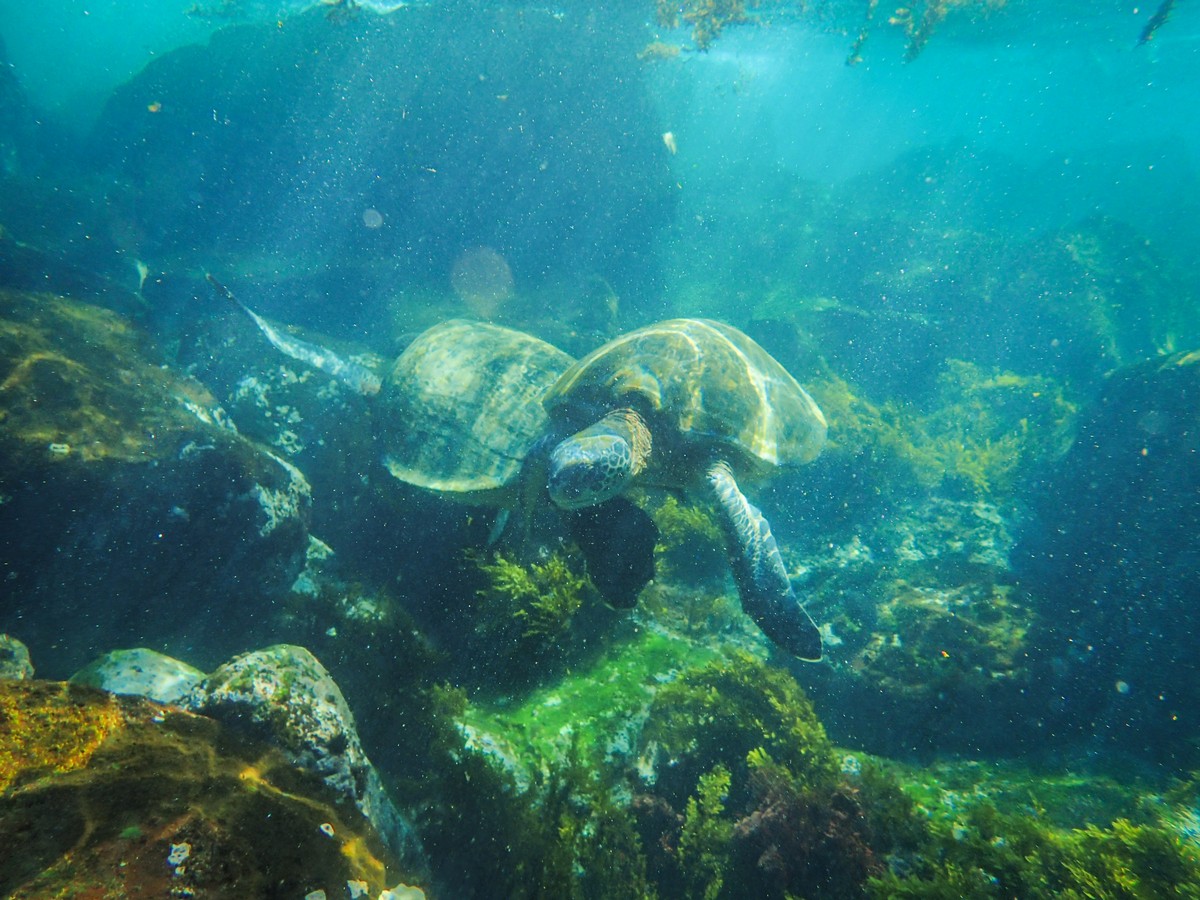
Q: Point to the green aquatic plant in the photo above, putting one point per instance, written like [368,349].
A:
[716,714]
[609,861]
[980,842]
[703,851]
[543,597]
[690,545]
[982,432]
[596,853]
[854,422]
[992,854]
[1130,861]
[562,836]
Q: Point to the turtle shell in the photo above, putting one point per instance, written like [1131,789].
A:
[707,391]
[462,407]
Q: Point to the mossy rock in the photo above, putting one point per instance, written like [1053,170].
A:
[718,713]
[1111,555]
[98,794]
[124,484]
[929,643]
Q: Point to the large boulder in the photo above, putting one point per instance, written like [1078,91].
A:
[108,796]
[132,511]
[14,659]
[284,695]
[1112,555]
[141,673]
[367,151]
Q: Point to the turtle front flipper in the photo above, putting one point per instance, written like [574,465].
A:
[759,572]
[617,540]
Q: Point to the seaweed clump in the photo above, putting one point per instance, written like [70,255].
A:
[983,433]
[987,429]
[988,853]
[766,811]
[707,18]
[542,598]
[716,714]
[530,619]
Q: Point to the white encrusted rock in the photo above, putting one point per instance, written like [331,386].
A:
[284,694]
[141,672]
[14,659]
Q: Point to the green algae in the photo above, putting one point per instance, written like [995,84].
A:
[703,850]
[592,706]
[1005,830]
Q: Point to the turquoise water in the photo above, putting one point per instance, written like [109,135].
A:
[974,247]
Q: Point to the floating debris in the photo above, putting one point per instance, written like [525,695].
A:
[1157,21]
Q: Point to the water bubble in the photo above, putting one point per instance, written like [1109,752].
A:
[482,280]
[372,217]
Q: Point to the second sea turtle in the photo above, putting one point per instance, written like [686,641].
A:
[692,404]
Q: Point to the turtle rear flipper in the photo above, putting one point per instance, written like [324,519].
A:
[759,572]
[617,539]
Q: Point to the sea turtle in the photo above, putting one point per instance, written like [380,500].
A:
[687,403]
[462,408]
[462,414]
[494,416]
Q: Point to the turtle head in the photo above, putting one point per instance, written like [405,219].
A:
[596,464]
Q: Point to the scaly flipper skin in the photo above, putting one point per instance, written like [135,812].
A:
[759,572]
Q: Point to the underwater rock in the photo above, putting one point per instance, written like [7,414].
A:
[925,624]
[105,796]
[140,673]
[131,511]
[14,659]
[285,695]
[452,133]
[1111,556]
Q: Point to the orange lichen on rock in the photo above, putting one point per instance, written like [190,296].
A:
[110,797]
[51,728]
